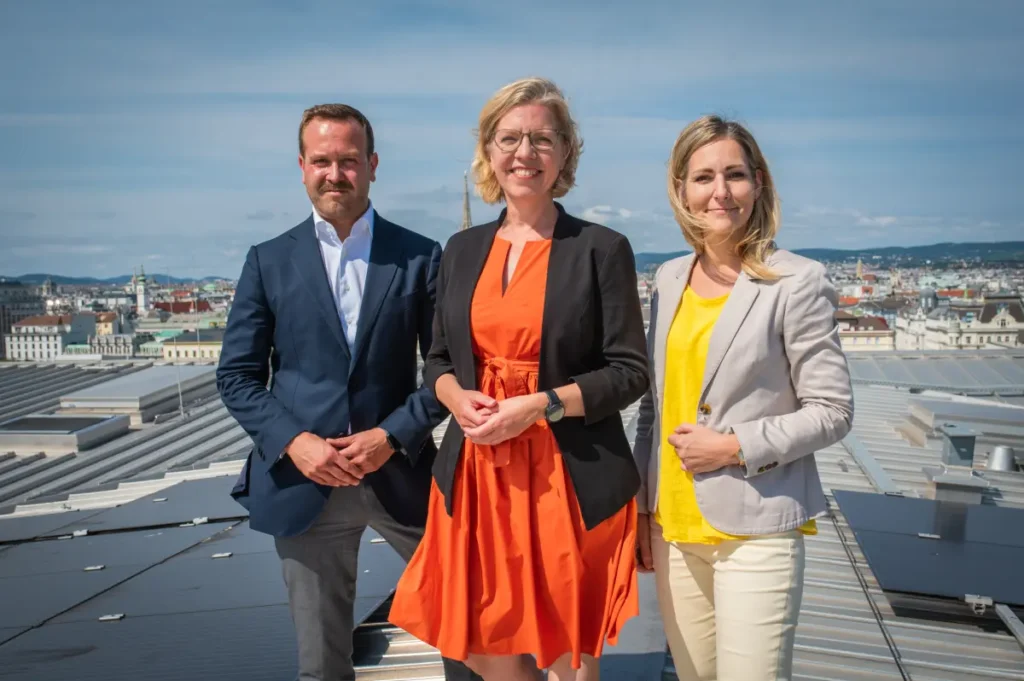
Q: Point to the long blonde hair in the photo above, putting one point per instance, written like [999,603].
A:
[758,243]
[518,93]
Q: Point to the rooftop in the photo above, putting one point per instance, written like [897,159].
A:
[971,372]
[45,320]
[141,388]
[198,336]
[189,613]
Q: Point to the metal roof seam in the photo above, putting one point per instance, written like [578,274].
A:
[889,640]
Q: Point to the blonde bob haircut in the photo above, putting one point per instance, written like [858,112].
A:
[518,93]
[758,243]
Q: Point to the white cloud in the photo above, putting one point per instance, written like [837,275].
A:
[823,227]
[878,221]
[605,213]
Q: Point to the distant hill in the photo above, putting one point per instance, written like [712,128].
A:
[648,260]
[997,251]
[160,279]
[992,252]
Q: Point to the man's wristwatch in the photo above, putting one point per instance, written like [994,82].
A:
[393,442]
[555,409]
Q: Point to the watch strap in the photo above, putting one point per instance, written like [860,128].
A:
[393,442]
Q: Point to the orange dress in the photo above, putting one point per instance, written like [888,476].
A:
[513,570]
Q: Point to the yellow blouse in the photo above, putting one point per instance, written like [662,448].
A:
[686,354]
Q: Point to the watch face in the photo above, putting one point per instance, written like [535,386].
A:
[555,413]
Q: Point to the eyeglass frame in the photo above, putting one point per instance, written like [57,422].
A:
[528,134]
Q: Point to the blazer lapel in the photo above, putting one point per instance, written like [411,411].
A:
[670,292]
[458,303]
[744,292]
[385,254]
[309,264]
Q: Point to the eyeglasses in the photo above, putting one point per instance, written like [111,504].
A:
[541,140]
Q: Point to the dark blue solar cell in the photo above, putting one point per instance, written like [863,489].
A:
[24,528]
[930,567]
[951,521]
[143,547]
[251,644]
[178,503]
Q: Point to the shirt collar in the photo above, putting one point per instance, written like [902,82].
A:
[362,226]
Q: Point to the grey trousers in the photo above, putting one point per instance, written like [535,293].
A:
[320,570]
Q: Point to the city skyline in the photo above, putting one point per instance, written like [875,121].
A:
[166,136]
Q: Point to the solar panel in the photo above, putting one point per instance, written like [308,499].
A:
[29,600]
[24,528]
[251,644]
[190,584]
[193,616]
[42,579]
[10,632]
[208,498]
[928,567]
[938,548]
[56,557]
[239,540]
[951,521]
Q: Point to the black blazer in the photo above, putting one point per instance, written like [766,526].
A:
[592,335]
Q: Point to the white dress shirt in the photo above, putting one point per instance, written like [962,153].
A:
[346,263]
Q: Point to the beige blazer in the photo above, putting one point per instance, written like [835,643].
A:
[775,376]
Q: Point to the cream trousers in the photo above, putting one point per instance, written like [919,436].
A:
[730,610]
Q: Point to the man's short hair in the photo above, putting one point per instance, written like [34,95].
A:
[336,112]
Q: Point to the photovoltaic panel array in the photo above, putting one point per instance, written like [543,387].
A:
[40,580]
[188,616]
[180,503]
[938,548]
[25,528]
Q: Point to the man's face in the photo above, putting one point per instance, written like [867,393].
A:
[336,169]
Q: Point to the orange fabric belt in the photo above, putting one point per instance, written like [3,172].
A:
[502,378]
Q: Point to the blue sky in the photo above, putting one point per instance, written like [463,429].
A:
[163,134]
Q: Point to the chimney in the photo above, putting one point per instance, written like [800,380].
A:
[957,444]
[1002,459]
[956,480]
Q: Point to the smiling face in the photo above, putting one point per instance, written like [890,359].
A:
[525,171]
[720,189]
[336,169]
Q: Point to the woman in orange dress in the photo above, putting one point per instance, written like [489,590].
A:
[527,561]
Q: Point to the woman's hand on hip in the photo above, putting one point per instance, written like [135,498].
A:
[472,409]
[513,416]
[702,450]
[644,558]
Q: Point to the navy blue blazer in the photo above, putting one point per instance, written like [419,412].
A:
[286,368]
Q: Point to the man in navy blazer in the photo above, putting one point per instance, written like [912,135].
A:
[319,366]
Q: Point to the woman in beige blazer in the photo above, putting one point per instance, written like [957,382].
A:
[748,381]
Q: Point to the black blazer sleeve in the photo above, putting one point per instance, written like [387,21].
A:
[624,378]
[438,360]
